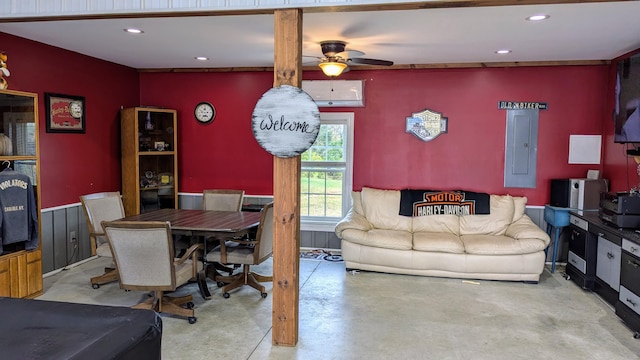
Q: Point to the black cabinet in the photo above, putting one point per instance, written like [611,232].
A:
[606,259]
[628,305]
[581,264]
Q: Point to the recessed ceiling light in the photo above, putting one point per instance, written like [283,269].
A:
[201,58]
[538,17]
[503,51]
[133,31]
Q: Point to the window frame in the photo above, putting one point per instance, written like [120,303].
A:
[328,224]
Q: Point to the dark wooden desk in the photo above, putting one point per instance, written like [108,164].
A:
[203,223]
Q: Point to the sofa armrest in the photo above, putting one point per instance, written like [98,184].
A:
[525,228]
[352,220]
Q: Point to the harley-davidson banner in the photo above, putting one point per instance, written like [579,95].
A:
[436,202]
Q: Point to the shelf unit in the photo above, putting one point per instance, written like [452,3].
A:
[20,269]
[149,159]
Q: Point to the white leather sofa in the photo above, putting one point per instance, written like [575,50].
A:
[504,245]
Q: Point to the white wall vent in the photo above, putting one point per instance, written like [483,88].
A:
[335,93]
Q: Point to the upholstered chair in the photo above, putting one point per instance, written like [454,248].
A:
[246,252]
[98,207]
[144,256]
[222,199]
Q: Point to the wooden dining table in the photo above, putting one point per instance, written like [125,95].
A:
[202,224]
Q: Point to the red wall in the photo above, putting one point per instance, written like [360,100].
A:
[470,156]
[74,164]
[224,154]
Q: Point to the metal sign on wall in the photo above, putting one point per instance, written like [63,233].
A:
[426,125]
[285,121]
[522,105]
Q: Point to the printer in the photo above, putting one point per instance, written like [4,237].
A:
[621,209]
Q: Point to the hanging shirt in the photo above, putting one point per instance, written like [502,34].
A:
[18,212]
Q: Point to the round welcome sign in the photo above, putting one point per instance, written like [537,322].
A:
[285,121]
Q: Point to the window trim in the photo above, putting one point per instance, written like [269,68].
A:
[327,225]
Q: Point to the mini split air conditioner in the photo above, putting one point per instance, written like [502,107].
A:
[335,93]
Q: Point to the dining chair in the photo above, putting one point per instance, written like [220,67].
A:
[98,207]
[222,199]
[246,252]
[144,256]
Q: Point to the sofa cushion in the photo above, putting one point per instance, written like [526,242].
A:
[437,242]
[356,199]
[437,224]
[499,245]
[519,207]
[381,208]
[496,223]
[388,239]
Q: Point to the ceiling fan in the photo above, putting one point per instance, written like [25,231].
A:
[336,59]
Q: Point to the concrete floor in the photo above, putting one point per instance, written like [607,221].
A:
[383,316]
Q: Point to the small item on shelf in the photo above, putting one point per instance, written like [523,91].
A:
[165,178]
[6,148]
[148,125]
[144,143]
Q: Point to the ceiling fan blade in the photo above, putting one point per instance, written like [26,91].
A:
[365,61]
[350,53]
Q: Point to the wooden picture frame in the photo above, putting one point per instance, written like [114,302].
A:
[65,113]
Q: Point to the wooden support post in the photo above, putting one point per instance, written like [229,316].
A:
[286,189]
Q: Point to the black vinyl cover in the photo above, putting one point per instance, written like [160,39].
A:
[36,329]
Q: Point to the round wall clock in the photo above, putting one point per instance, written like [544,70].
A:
[205,112]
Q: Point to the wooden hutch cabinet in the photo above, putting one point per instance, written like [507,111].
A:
[149,159]
[21,269]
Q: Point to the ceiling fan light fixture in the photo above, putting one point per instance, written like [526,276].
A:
[331,68]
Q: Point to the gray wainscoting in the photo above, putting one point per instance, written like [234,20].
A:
[59,226]
[61,223]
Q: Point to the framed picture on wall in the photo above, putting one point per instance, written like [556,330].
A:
[65,113]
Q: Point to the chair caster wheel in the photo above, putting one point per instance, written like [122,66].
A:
[95,286]
[636,335]
[192,319]
[264,295]
[220,284]
[226,295]
[190,305]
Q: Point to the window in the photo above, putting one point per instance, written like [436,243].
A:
[326,174]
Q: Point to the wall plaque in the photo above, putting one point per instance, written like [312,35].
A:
[522,105]
[426,125]
[285,121]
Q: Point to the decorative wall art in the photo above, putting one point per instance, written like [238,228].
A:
[285,121]
[65,113]
[426,125]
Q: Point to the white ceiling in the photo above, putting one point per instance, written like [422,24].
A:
[579,31]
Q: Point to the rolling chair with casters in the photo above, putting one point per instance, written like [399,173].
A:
[98,207]
[222,200]
[144,256]
[246,252]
